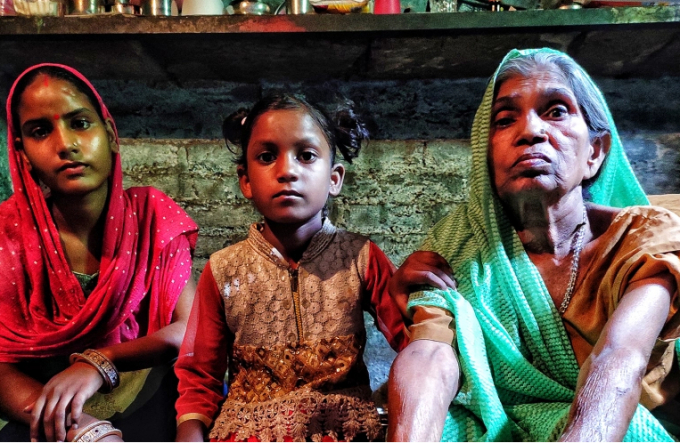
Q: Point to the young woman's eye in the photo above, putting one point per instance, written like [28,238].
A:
[80,123]
[266,157]
[307,156]
[39,132]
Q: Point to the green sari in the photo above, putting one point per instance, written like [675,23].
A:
[519,369]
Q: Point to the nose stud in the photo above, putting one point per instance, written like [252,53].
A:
[75,144]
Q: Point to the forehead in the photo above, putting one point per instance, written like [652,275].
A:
[538,79]
[287,124]
[46,91]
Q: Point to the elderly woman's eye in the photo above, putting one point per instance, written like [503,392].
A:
[502,121]
[558,111]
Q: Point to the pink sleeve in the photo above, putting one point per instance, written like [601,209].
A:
[386,313]
[204,355]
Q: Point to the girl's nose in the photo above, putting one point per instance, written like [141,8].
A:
[286,168]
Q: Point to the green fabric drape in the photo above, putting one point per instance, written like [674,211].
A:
[519,369]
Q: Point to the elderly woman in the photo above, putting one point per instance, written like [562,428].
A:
[564,322]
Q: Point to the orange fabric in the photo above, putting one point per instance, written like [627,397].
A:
[640,243]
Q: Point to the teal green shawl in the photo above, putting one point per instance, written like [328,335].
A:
[519,369]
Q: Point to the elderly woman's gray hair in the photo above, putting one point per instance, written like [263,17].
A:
[587,95]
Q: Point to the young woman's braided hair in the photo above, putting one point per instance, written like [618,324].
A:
[344,132]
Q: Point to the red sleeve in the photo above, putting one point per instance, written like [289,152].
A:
[204,355]
[386,313]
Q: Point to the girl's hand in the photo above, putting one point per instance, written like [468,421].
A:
[422,268]
[61,403]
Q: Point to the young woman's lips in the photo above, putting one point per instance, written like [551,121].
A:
[73,168]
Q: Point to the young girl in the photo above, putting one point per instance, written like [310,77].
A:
[282,310]
[94,279]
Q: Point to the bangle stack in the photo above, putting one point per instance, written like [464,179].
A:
[97,431]
[105,367]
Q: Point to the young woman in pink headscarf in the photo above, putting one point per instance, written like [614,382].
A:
[95,281]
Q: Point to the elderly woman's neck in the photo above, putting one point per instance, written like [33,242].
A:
[548,228]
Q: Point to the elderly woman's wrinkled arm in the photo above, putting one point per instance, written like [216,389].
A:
[609,385]
[424,379]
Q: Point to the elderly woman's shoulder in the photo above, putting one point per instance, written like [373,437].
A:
[604,218]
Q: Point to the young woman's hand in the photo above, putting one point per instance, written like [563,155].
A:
[422,268]
[86,420]
[61,403]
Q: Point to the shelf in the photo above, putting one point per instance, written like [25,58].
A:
[612,42]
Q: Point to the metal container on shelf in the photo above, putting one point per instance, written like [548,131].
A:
[85,7]
[298,7]
[157,7]
[123,7]
[39,8]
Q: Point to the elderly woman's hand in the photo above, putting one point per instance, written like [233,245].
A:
[62,399]
[422,268]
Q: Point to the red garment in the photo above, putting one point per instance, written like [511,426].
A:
[145,264]
[209,339]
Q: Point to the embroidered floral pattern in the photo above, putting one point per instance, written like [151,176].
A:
[302,414]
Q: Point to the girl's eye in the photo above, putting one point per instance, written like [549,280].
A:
[266,157]
[80,123]
[307,156]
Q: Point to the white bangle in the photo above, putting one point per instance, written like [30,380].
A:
[97,431]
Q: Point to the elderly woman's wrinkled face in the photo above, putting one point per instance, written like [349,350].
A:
[538,139]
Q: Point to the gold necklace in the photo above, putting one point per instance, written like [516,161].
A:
[580,234]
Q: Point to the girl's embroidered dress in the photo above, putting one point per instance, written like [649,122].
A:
[292,338]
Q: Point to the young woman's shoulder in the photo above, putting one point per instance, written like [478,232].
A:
[147,193]
[153,199]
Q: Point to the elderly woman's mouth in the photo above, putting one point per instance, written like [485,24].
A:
[532,159]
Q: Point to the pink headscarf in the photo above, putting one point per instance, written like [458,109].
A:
[145,263]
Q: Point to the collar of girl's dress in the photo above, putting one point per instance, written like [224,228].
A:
[319,242]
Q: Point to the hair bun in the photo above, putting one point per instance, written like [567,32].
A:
[350,130]
[232,129]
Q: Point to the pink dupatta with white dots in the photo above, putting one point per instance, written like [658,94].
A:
[145,263]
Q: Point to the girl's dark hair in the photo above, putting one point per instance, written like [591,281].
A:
[345,132]
[53,72]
